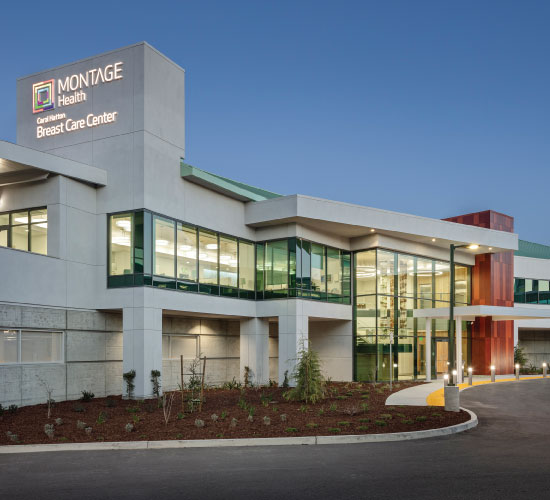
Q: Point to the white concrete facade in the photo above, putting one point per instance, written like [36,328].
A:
[133,164]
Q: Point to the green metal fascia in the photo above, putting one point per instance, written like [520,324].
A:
[533,250]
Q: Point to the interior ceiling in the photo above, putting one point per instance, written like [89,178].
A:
[12,172]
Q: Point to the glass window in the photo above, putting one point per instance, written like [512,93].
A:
[519,290]
[41,347]
[20,230]
[4,229]
[334,271]
[228,261]
[386,272]
[424,276]
[306,265]
[365,360]
[405,312]
[462,284]
[260,258]
[318,271]
[208,257]
[246,265]
[276,265]
[366,315]
[164,245]
[405,276]
[39,236]
[365,272]
[9,346]
[120,260]
[346,275]
[442,281]
[386,314]
[187,252]
[544,292]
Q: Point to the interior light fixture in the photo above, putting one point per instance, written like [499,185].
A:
[162,243]
[212,246]
[185,247]
[473,246]
[372,230]
[433,239]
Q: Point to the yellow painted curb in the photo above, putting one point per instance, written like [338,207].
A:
[437,398]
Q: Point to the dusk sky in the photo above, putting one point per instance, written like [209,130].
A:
[434,108]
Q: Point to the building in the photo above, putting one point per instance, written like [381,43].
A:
[116,255]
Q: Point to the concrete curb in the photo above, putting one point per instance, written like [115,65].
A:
[224,443]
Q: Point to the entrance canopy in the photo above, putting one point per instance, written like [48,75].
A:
[497,313]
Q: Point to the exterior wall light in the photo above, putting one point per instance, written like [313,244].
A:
[492,373]
[445,380]
[517,371]
[470,375]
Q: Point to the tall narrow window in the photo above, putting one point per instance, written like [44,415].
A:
[4,229]
[187,252]
[20,230]
[163,236]
[365,272]
[405,278]
[276,265]
[9,346]
[260,271]
[246,265]
[386,272]
[39,231]
[424,282]
[334,271]
[228,261]
[208,257]
[318,269]
[120,257]
[442,281]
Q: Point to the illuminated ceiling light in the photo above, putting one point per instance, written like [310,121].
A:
[212,246]
[490,248]
[372,230]
[22,220]
[162,243]
[433,239]
[124,224]
[185,247]
[473,246]
[43,224]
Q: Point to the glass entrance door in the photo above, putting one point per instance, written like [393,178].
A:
[441,356]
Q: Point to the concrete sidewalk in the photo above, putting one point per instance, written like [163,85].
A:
[418,395]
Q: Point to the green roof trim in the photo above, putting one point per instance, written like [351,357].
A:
[534,250]
[228,187]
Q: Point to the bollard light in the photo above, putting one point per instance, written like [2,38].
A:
[492,373]
[517,371]
[470,375]
[445,380]
[544,370]
[454,377]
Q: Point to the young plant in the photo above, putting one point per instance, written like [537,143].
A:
[129,427]
[247,374]
[49,430]
[129,380]
[80,425]
[87,396]
[267,421]
[310,383]
[199,423]
[88,431]
[214,417]
[155,380]
[48,389]
[167,402]
[285,381]
[58,421]
[234,422]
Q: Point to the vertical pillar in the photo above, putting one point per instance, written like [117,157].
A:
[254,349]
[428,349]
[142,346]
[458,331]
[293,335]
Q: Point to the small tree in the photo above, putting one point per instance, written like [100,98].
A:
[519,356]
[48,389]
[310,383]
[246,376]
[155,379]
[130,386]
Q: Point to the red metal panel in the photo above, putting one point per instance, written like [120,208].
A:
[492,284]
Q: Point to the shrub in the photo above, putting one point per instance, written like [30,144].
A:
[291,429]
[129,380]
[12,409]
[250,418]
[247,374]
[101,418]
[234,422]
[87,396]
[519,356]
[78,408]
[386,416]
[321,412]
[285,381]
[88,431]
[214,417]
[333,407]
[232,385]
[407,421]
[49,430]
[334,430]
[421,418]
[12,437]
[283,417]
[58,421]
[312,425]
[199,423]
[380,423]
[180,416]
[436,415]
[344,423]
[80,425]
[364,420]
[155,380]
[129,427]
[267,421]
[303,408]
[363,428]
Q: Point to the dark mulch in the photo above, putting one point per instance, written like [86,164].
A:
[343,412]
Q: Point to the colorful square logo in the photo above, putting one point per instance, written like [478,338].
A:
[43,96]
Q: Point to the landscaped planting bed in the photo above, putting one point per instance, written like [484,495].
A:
[349,408]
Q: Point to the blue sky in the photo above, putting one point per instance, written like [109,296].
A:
[434,108]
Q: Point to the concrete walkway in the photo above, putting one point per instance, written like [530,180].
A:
[431,393]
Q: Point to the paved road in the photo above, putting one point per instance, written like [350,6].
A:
[506,457]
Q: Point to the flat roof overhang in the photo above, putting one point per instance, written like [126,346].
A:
[497,313]
[19,164]
[357,221]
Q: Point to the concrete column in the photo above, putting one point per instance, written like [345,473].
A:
[254,349]
[428,349]
[458,331]
[142,346]
[293,334]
